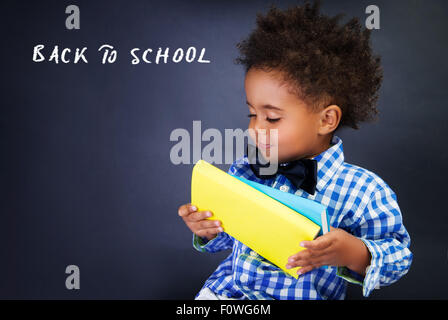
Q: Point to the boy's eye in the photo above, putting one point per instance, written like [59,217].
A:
[271,120]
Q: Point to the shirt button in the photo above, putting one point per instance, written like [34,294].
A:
[284,188]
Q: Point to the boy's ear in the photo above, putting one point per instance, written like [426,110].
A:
[330,118]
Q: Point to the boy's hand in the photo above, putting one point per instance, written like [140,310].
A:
[336,248]
[198,223]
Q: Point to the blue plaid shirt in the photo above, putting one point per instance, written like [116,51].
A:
[357,200]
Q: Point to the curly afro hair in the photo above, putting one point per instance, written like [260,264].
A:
[322,62]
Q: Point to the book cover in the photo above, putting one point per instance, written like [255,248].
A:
[267,226]
[313,210]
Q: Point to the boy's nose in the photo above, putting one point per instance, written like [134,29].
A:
[262,135]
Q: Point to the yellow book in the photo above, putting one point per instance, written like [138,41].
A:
[265,225]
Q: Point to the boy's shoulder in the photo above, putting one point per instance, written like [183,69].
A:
[362,178]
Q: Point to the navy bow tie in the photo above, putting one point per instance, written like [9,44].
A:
[302,173]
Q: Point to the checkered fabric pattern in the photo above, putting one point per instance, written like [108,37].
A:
[357,200]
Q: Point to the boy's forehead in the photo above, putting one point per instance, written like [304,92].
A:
[270,78]
[268,88]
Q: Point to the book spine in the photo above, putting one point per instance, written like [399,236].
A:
[323,218]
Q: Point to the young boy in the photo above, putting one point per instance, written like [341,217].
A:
[306,76]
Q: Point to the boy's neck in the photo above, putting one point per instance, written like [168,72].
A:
[326,144]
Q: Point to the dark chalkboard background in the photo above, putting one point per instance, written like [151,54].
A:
[86,177]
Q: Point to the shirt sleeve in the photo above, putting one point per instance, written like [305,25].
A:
[380,227]
[222,241]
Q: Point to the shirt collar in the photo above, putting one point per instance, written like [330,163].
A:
[328,162]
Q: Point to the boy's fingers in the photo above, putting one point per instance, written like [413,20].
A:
[300,255]
[198,216]
[208,231]
[186,209]
[305,269]
[201,233]
[216,230]
[298,263]
[317,244]
[209,224]
[310,253]
[319,260]
[182,211]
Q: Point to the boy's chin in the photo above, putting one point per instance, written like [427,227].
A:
[269,156]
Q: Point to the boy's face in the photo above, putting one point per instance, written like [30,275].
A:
[273,107]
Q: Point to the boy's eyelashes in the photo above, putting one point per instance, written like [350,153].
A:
[271,120]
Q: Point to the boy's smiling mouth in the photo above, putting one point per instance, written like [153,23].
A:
[264,146]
